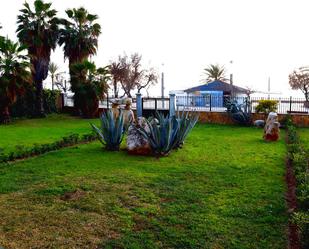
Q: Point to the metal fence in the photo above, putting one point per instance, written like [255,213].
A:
[219,103]
[209,103]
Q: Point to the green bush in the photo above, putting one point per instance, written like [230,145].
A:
[50,98]
[266,106]
[301,219]
[300,163]
[24,106]
[21,152]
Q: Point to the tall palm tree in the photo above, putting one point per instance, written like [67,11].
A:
[14,75]
[79,35]
[215,72]
[80,39]
[53,70]
[38,29]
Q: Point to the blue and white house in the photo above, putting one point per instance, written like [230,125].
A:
[214,93]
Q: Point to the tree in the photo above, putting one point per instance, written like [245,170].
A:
[299,80]
[89,85]
[14,75]
[54,73]
[79,35]
[38,29]
[149,78]
[118,74]
[80,39]
[131,75]
[215,72]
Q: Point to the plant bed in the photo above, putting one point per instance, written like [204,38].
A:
[298,190]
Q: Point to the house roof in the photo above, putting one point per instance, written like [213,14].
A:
[217,85]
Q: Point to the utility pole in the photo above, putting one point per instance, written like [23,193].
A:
[231,81]
[268,88]
[162,86]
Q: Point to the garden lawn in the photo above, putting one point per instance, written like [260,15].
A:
[27,132]
[224,189]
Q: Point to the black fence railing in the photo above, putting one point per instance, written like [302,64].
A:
[210,103]
[156,104]
[219,103]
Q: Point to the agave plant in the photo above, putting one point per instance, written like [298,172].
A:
[186,122]
[239,113]
[112,130]
[161,135]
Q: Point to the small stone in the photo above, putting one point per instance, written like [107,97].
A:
[271,129]
[259,123]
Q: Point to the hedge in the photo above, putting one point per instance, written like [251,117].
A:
[299,159]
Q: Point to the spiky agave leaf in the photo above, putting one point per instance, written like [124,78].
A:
[186,122]
[111,132]
[161,136]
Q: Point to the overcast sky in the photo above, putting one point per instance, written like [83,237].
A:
[263,38]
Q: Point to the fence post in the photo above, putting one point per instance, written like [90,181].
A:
[62,101]
[290,104]
[107,100]
[210,102]
[139,105]
[156,104]
[172,104]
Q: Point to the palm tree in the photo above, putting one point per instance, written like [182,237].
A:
[38,29]
[79,35]
[215,72]
[89,85]
[14,75]
[53,72]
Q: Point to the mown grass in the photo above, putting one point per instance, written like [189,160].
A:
[26,132]
[224,189]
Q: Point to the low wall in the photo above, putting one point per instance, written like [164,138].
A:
[223,117]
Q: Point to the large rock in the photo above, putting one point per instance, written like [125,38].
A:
[259,123]
[271,129]
[136,143]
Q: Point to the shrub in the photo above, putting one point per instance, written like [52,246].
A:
[24,106]
[37,149]
[112,130]
[301,219]
[266,106]
[300,163]
[50,98]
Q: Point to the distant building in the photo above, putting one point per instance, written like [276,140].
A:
[214,93]
[219,87]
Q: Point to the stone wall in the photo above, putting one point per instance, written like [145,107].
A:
[224,118]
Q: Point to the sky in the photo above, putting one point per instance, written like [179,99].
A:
[262,38]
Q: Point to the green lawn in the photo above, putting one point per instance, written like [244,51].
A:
[224,189]
[26,132]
